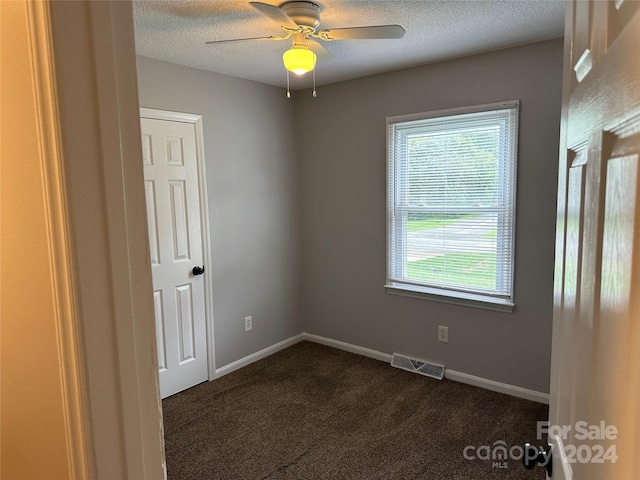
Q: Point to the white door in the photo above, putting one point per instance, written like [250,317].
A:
[175,237]
[595,390]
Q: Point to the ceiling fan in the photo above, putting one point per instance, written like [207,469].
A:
[300,21]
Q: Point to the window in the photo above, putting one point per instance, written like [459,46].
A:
[451,204]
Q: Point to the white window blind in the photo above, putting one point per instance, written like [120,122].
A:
[451,201]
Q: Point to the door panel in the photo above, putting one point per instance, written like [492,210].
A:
[596,335]
[152,221]
[179,225]
[175,239]
[161,345]
[184,299]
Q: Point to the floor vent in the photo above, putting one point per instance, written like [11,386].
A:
[428,369]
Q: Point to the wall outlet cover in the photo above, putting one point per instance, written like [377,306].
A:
[443,334]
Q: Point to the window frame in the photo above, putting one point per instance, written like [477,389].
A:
[485,300]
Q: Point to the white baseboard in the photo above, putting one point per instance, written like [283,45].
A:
[461,377]
[492,385]
[254,357]
[367,352]
[450,374]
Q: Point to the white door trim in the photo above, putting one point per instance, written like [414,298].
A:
[94,79]
[66,316]
[196,120]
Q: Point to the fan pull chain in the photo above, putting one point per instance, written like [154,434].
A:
[288,92]
[314,83]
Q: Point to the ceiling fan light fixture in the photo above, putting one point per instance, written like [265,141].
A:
[299,59]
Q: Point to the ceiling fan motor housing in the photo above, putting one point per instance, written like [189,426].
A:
[305,14]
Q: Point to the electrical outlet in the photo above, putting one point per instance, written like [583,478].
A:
[248,323]
[443,334]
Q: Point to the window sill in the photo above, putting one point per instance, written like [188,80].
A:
[466,299]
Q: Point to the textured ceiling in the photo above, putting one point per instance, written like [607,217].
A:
[176,31]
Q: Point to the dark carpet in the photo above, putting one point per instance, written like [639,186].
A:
[315,412]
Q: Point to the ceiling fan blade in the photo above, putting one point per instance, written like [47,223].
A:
[275,14]
[231,40]
[356,33]
[320,50]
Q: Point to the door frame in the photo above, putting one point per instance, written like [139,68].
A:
[196,121]
[83,62]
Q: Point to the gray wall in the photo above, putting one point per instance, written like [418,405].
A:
[254,199]
[343,161]
[298,237]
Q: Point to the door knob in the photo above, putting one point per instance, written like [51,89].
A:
[532,457]
[198,270]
